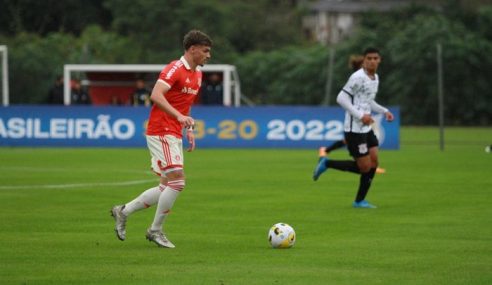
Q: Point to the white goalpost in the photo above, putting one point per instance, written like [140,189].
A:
[231,84]
[5,76]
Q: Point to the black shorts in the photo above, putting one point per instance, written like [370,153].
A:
[358,144]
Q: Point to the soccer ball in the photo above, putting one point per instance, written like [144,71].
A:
[281,235]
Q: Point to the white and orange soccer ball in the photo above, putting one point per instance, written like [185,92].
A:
[281,235]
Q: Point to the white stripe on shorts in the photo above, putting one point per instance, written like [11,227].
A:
[166,153]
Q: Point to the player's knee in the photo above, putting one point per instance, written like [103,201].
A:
[375,164]
[177,185]
[365,168]
[175,174]
[364,164]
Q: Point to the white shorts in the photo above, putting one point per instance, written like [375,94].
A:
[166,153]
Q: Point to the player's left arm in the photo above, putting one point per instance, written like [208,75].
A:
[190,136]
[380,109]
[157,96]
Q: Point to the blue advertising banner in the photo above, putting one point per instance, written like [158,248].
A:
[244,127]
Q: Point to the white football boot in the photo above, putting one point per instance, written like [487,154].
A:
[120,222]
[159,238]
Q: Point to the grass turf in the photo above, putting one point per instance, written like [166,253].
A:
[433,224]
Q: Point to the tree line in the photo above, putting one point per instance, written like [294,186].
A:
[264,39]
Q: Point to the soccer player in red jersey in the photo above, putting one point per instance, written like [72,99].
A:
[172,97]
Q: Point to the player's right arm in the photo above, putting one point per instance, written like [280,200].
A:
[157,96]
[344,99]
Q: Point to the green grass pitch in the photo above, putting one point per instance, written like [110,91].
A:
[433,224]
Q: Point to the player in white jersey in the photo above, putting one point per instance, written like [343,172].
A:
[355,63]
[358,99]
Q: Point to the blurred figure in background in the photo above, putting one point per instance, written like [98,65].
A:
[141,95]
[55,95]
[212,90]
[355,62]
[78,94]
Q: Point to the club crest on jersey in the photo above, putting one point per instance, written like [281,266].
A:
[363,148]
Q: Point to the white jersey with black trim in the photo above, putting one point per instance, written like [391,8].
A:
[357,98]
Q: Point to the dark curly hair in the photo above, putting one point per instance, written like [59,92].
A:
[196,37]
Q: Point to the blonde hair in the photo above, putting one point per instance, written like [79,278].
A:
[355,61]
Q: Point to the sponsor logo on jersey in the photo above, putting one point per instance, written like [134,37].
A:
[189,90]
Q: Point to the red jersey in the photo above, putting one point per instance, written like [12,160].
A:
[185,84]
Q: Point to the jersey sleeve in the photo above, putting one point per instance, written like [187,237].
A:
[378,108]
[346,97]
[345,100]
[353,85]
[169,75]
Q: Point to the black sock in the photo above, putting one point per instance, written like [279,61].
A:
[344,165]
[365,184]
[335,145]
[373,172]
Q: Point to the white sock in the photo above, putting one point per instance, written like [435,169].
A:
[166,202]
[145,200]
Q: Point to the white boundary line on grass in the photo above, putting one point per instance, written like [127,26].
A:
[39,169]
[76,185]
